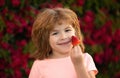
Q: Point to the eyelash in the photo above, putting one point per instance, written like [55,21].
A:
[67,30]
[55,33]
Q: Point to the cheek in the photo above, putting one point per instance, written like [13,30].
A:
[72,33]
[52,40]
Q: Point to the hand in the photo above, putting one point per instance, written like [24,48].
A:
[76,55]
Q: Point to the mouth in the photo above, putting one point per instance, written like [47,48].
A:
[63,43]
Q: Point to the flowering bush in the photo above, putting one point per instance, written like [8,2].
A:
[99,22]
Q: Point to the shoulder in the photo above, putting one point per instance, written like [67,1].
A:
[88,59]
[87,55]
[38,62]
[89,62]
[42,63]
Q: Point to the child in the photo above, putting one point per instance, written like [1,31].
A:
[56,57]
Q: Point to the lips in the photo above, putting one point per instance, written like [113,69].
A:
[63,43]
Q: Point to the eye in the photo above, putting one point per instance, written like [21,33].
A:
[54,33]
[67,30]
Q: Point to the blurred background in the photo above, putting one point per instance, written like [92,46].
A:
[100,25]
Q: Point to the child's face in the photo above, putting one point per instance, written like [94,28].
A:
[60,39]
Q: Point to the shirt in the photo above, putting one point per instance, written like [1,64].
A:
[59,68]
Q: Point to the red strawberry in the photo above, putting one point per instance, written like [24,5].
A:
[75,41]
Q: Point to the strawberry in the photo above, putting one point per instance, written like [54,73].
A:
[75,41]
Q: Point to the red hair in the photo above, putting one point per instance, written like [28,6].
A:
[45,22]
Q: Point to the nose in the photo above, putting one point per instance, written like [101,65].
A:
[63,36]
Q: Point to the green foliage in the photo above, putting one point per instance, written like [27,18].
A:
[99,20]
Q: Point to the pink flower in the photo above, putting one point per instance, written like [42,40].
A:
[15,3]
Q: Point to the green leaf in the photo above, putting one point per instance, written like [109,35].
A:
[7,37]
[29,48]
[2,24]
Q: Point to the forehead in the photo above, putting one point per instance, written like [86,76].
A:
[62,24]
[61,21]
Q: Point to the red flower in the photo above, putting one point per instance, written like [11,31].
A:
[2,3]
[103,35]
[15,3]
[5,11]
[118,47]
[115,59]
[21,43]
[89,17]
[49,5]
[23,22]
[16,60]
[88,28]
[80,2]
[4,45]
[108,53]
[98,57]
[116,36]
[17,73]
[106,40]
[89,41]
[11,27]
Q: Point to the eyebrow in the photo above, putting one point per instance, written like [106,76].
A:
[54,30]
